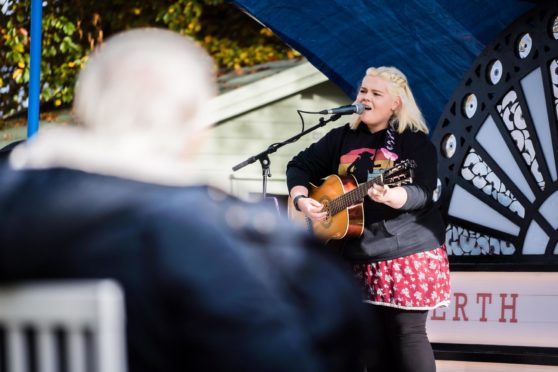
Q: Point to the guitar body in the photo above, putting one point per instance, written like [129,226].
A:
[349,222]
[342,198]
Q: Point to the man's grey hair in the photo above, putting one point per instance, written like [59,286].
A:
[149,83]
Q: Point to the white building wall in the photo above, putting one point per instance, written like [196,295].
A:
[235,140]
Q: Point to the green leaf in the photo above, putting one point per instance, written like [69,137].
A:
[69,28]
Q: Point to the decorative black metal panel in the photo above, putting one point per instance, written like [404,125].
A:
[498,146]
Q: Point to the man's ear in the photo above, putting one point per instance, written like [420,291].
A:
[396,103]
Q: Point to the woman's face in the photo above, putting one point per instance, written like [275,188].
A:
[374,94]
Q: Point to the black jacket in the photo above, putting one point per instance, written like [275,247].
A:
[210,283]
[388,233]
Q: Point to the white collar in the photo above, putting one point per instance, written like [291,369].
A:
[147,158]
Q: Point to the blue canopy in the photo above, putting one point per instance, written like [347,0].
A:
[433,42]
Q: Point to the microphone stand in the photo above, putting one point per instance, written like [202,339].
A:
[263,156]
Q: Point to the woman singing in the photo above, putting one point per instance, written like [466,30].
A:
[400,259]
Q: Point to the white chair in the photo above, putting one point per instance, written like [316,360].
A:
[76,324]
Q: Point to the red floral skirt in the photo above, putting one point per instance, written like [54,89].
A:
[420,281]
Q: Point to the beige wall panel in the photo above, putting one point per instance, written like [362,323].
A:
[234,140]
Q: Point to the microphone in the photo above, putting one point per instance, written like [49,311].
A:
[357,108]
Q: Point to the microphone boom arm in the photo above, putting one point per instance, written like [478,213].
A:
[264,158]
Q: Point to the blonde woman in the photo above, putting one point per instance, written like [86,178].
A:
[400,259]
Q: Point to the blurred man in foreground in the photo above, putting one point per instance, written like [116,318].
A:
[210,283]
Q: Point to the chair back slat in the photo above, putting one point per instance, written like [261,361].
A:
[46,352]
[16,346]
[76,351]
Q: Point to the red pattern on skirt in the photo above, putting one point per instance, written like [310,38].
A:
[420,281]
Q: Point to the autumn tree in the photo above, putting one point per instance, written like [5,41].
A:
[73,28]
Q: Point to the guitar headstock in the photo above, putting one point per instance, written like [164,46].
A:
[400,174]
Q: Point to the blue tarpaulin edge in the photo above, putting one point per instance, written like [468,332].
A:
[432,41]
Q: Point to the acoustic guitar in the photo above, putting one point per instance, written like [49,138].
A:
[342,198]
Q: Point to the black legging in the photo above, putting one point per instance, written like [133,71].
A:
[398,341]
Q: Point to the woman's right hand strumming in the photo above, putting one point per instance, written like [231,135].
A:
[312,209]
[305,204]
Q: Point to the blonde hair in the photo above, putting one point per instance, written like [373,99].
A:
[408,114]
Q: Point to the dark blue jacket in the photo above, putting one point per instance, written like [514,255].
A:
[211,283]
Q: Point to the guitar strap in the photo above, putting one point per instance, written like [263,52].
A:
[391,136]
[390,140]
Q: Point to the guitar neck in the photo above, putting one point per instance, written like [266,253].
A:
[354,196]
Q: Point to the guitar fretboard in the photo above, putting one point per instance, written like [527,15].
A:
[354,196]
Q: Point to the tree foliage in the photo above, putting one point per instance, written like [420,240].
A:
[73,28]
